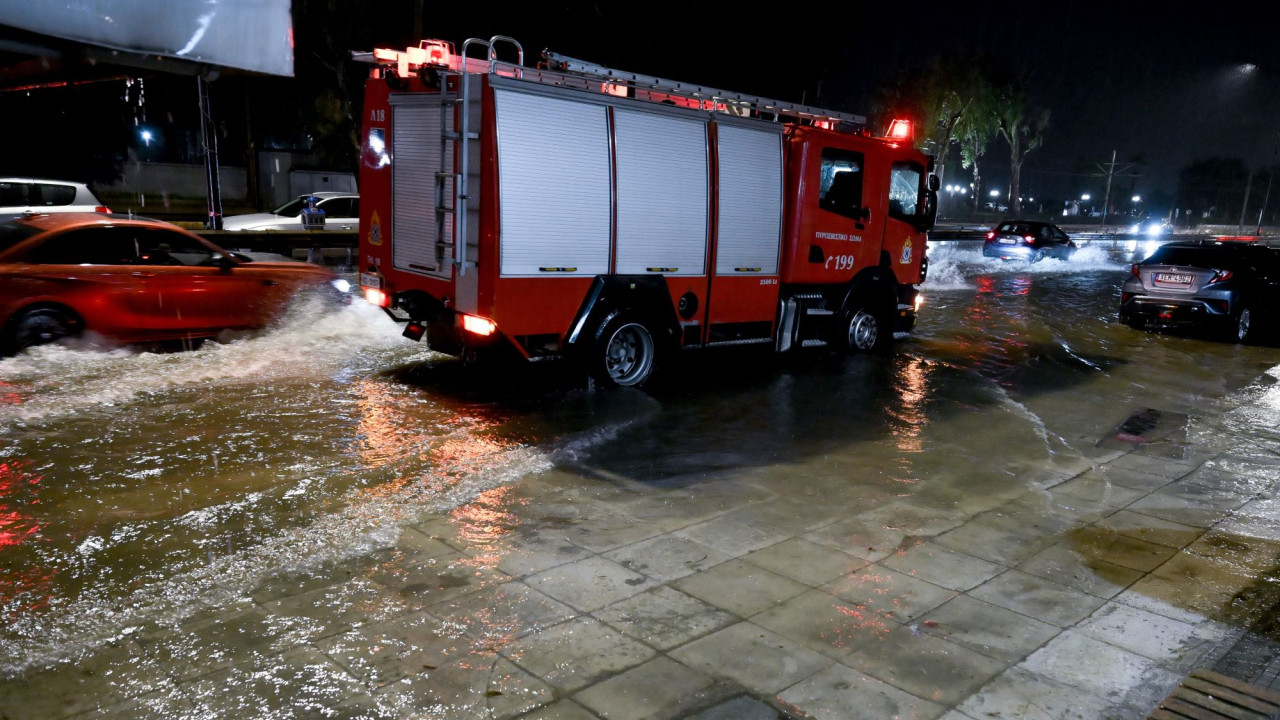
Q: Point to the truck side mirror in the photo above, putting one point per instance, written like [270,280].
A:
[934,183]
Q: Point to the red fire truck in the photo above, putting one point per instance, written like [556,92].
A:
[573,210]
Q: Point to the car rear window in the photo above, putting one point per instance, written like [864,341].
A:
[1201,257]
[1016,228]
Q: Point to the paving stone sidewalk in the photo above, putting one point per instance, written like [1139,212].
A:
[1088,589]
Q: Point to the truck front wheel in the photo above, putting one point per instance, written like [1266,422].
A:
[625,352]
[863,330]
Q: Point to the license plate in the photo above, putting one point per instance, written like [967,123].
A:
[1173,278]
[1007,241]
[371,281]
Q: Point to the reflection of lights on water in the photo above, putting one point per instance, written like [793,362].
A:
[486,519]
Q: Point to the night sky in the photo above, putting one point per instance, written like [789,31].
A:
[1145,80]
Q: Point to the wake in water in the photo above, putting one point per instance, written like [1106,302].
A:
[312,339]
[953,265]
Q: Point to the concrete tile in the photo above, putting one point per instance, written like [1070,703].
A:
[1093,487]
[664,617]
[985,628]
[858,538]
[805,561]
[521,557]
[741,707]
[1150,465]
[926,666]
[576,653]
[787,514]
[666,557]
[1257,556]
[825,623]
[163,704]
[334,609]
[562,710]
[1037,598]
[300,682]
[760,659]
[1173,644]
[1096,667]
[1176,597]
[889,594]
[1021,695]
[438,579]
[739,587]
[496,616]
[731,537]
[589,584]
[384,652]
[480,685]
[941,566]
[660,688]
[87,686]
[1151,529]
[287,582]
[1177,509]
[1128,477]
[1104,545]
[833,694]
[1067,566]
[997,539]
[200,648]
[604,529]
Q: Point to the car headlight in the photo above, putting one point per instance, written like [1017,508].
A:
[340,285]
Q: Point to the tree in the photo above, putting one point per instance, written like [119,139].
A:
[1022,126]
[975,133]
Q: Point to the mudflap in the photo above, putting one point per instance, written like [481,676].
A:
[904,320]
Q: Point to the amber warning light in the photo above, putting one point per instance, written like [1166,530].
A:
[900,130]
[429,52]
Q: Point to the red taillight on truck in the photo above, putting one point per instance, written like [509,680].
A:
[377,297]
[477,325]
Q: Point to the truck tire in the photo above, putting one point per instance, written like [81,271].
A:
[863,330]
[625,353]
[38,326]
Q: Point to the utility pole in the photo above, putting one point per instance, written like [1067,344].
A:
[1110,170]
[1244,204]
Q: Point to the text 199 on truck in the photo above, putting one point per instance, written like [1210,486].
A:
[570,210]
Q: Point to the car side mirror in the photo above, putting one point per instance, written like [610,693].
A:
[225,261]
[934,183]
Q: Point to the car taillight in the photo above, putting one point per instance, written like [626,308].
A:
[1029,239]
[1134,269]
[991,235]
[102,209]
[1219,276]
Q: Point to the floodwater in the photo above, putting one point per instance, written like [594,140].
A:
[139,489]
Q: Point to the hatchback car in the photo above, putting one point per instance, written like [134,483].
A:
[1028,240]
[1225,286]
[28,195]
[341,212]
[134,281]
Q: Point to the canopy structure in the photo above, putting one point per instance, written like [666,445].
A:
[68,41]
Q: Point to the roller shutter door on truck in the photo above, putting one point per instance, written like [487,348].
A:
[420,153]
[750,200]
[662,193]
[554,185]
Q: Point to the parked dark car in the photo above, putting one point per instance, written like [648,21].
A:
[1028,240]
[1224,287]
[132,280]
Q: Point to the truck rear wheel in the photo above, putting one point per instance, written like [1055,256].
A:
[625,352]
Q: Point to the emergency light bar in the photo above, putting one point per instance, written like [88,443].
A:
[900,130]
[438,53]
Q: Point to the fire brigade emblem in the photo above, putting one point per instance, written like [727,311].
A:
[375,229]
[906,252]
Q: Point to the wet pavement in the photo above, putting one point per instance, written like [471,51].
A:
[1011,518]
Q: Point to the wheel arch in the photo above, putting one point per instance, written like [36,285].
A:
[645,298]
[10,323]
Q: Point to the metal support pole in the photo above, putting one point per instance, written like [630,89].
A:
[209,138]
[1106,197]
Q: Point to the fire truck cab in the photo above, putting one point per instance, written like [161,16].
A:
[575,211]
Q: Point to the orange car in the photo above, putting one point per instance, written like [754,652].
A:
[134,281]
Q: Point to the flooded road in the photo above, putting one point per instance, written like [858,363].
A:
[141,491]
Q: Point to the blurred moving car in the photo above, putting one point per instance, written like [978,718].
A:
[1229,287]
[1028,240]
[1150,228]
[341,212]
[135,281]
[29,195]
